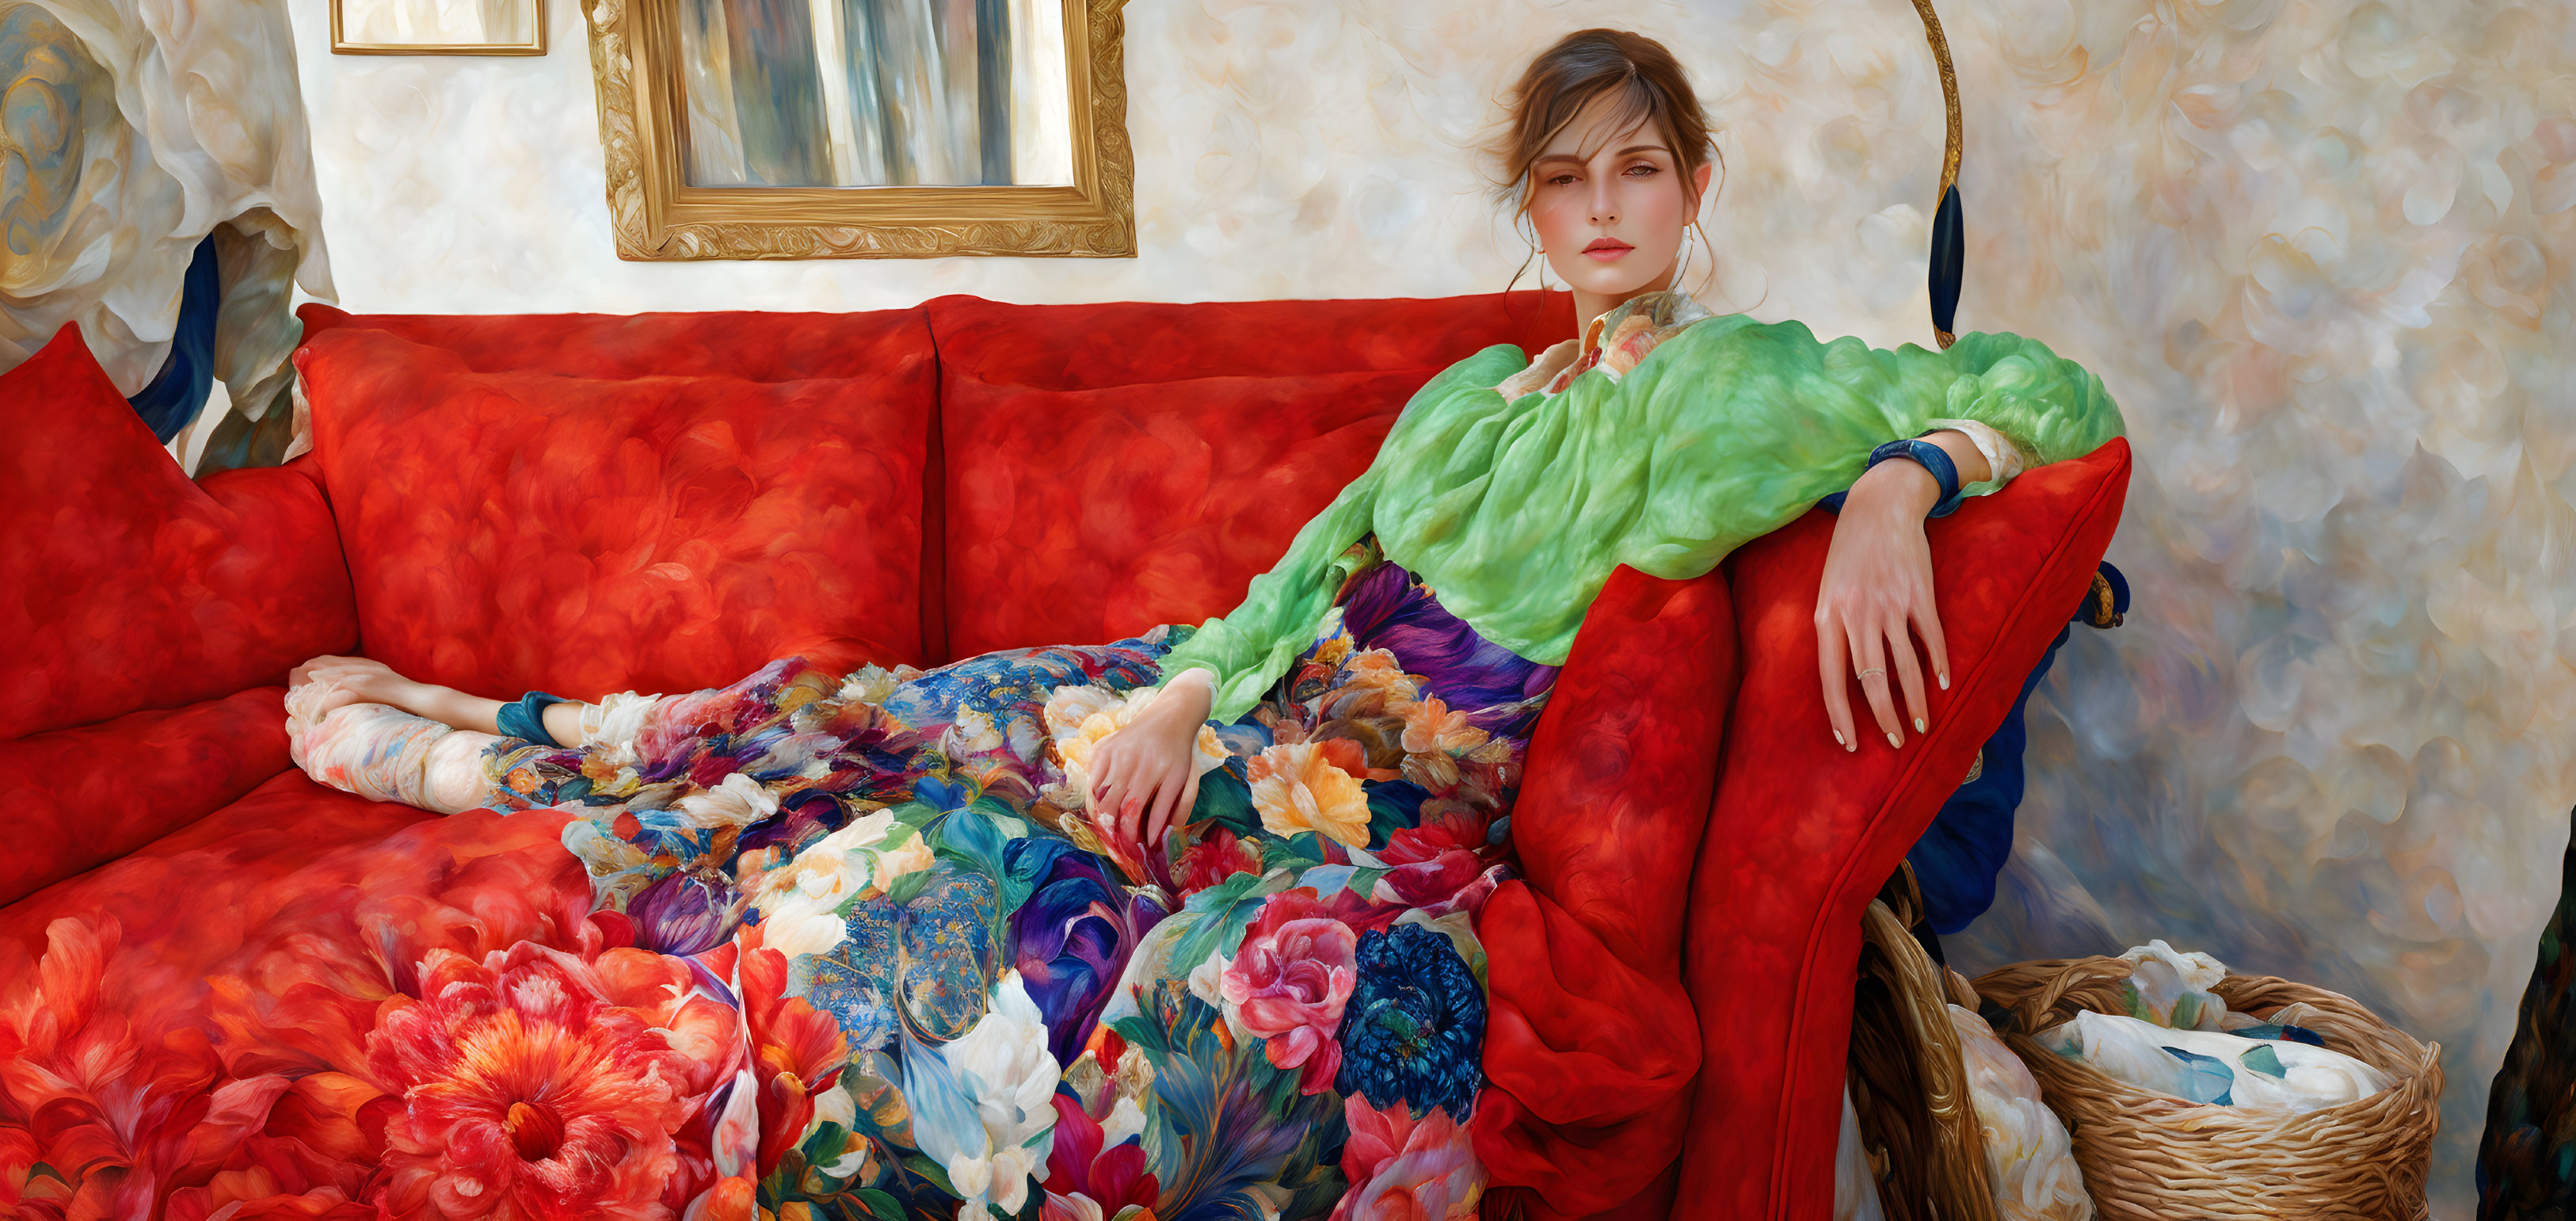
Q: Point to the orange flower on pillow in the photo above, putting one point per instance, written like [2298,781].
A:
[1298,788]
[1430,725]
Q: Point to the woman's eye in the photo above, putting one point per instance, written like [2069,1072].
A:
[1560,180]
[1644,170]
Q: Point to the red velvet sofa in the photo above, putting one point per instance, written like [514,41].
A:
[588,503]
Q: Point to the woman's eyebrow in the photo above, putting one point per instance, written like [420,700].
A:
[1633,148]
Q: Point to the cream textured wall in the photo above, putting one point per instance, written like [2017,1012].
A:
[2321,251]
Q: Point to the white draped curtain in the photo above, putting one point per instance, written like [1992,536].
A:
[151,126]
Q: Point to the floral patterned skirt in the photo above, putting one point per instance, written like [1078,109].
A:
[1277,1012]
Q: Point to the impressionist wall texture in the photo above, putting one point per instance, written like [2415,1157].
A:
[2320,250]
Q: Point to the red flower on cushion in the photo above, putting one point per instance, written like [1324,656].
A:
[1288,983]
[1089,1182]
[1218,855]
[795,1047]
[1406,1169]
[1433,861]
[530,1092]
[95,1087]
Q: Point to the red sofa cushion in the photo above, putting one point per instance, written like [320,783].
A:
[1804,834]
[751,345]
[132,586]
[241,955]
[524,530]
[1090,515]
[1111,467]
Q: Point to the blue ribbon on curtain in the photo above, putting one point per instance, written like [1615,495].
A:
[178,392]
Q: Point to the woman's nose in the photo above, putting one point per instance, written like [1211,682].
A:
[1604,207]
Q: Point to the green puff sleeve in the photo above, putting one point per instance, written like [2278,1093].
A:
[1515,513]
[1248,648]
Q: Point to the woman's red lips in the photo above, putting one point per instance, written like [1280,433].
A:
[1604,249]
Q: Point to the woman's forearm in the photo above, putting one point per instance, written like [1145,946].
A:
[455,708]
[1194,692]
[562,721]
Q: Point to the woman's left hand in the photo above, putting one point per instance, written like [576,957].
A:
[1875,599]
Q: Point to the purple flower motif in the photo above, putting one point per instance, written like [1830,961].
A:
[682,915]
[1387,609]
[1074,935]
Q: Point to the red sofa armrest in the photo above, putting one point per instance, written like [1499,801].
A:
[1590,1045]
[1803,834]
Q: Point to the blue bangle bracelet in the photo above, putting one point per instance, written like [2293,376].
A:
[1925,454]
[525,719]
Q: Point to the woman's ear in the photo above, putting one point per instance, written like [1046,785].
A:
[1699,182]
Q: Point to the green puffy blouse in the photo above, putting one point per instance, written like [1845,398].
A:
[1516,512]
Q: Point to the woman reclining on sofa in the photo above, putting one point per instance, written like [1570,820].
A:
[1279,825]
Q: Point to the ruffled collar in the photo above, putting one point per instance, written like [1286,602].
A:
[1614,342]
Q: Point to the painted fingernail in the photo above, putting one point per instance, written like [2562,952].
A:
[1895,741]
[1918,725]
[1945,682]
[1838,740]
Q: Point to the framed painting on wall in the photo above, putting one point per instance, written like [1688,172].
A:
[784,129]
[438,27]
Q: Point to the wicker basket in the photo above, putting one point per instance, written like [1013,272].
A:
[1909,1089]
[2149,1156]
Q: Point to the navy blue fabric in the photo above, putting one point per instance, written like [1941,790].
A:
[1924,454]
[1957,859]
[178,392]
[526,718]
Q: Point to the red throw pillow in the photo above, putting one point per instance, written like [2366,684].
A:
[509,531]
[1081,516]
[130,585]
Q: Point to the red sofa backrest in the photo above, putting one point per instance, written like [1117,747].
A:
[1111,467]
[514,513]
[753,345]
[511,529]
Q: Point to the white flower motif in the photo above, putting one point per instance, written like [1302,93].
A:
[800,904]
[1008,1075]
[738,802]
[867,685]
[972,733]
[1125,1120]
[1204,980]
[612,725]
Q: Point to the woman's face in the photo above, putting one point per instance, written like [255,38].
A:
[1610,206]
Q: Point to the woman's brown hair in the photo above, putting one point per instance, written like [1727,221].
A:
[1646,84]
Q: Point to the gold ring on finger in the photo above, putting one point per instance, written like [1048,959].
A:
[1873,671]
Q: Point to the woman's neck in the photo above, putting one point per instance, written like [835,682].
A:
[1588,306]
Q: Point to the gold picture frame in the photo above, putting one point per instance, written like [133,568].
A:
[655,214]
[341,44]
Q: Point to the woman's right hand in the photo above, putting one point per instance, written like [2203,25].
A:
[1143,777]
